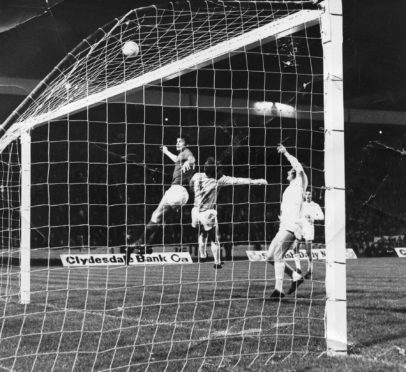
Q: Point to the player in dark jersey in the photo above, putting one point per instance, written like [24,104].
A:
[174,198]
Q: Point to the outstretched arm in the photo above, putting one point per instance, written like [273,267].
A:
[295,165]
[292,160]
[226,180]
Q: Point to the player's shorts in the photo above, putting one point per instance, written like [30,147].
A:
[176,195]
[308,232]
[295,228]
[208,219]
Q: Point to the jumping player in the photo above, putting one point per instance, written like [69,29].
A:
[206,186]
[289,227]
[174,198]
[311,212]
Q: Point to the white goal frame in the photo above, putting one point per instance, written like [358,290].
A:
[330,17]
[336,305]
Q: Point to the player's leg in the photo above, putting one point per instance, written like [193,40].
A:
[140,245]
[309,272]
[218,243]
[278,267]
[202,245]
[215,246]
[209,224]
[175,197]
[277,249]
[296,255]
[194,214]
[201,235]
[158,217]
[282,242]
[297,278]
[153,225]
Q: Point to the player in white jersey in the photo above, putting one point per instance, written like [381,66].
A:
[311,212]
[204,214]
[289,227]
[174,198]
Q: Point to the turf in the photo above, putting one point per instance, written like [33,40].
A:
[193,317]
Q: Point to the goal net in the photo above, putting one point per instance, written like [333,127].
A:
[82,172]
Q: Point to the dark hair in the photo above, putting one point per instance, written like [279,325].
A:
[293,170]
[186,138]
[212,168]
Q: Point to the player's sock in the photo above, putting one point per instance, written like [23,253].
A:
[279,273]
[150,231]
[310,266]
[129,250]
[147,235]
[202,247]
[296,257]
[216,253]
[309,271]
[295,284]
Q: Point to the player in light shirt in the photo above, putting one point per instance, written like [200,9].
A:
[206,186]
[289,227]
[311,212]
[174,198]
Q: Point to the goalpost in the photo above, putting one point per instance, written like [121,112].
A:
[81,173]
[336,305]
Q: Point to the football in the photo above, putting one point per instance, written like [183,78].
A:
[130,49]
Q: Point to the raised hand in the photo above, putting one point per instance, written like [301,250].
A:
[281,149]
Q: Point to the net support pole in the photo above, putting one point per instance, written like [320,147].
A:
[25,216]
[336,306]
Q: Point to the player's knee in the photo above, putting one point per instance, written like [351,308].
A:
[269,254]
[278,257]
[279,252]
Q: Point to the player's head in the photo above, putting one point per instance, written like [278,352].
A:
[182,142]
[291,175]
[308,196]
[212,168]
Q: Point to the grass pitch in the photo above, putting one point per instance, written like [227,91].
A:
[193,317]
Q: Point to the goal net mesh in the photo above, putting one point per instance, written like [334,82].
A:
[236,78]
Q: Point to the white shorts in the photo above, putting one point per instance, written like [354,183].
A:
[295,228]
[308,232]
[208,219]
[176,195]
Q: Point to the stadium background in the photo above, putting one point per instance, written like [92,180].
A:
[35,35]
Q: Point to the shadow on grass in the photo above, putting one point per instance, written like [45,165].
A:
[379,339]
[401,310]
